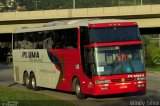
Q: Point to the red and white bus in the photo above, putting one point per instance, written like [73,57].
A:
[88,57]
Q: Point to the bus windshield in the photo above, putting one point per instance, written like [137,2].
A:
[110,34]
[118,60]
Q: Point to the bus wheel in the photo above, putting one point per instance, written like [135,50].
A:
[78,90]
[26,80]
[33,82]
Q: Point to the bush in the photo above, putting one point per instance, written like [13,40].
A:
[152,56]
[152,52]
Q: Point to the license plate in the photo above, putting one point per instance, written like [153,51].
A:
[123,87]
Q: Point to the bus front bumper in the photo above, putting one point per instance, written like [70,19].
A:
[119,88]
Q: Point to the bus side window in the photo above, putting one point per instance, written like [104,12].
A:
[39,40]
[29,41]
[66,38]
[59,39]
[53,37]
[84,36]
[71,38]
[19,40]
[47,42]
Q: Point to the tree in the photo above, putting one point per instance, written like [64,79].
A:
[5,48]
[67,4]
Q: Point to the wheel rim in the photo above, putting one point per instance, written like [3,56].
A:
[78,89]
[27,81]
[33,82]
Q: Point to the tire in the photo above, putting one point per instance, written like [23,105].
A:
[77,89]
[73,84]
[33,82]
[26,80]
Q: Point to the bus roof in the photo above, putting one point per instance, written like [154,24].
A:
[65,24]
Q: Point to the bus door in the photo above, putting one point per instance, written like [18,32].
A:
[87,61]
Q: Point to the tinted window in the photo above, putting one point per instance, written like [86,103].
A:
[32,40]
[112,34]
[47,41]
[84,36]
[66,38]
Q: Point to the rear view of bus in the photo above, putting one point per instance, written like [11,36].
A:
[113,58]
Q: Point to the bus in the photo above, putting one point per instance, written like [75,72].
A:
[88,57]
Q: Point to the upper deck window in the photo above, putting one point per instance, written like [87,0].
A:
[114,34]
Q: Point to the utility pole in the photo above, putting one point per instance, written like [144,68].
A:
[74,4]
[141,2]
[36,3]
[134,2]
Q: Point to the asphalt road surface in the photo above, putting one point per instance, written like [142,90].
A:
[152,97]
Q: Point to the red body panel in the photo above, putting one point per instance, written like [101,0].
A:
[114,44]
[68,59]
[113,24]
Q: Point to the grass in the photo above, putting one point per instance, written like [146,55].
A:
[154,69]
[27,98]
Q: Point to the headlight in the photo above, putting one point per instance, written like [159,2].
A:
[141,78]
[102,81]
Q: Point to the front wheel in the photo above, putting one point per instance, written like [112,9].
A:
[78,92]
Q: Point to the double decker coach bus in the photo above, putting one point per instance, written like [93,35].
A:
[88,57]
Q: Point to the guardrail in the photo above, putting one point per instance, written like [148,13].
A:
[82,12]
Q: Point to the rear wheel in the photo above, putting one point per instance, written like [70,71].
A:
[33,82]
[77,89]
[26,80]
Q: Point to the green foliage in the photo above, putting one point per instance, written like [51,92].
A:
[5,44]
[153,56]
[155,68]
[151,1]
[152,52]
[68,4]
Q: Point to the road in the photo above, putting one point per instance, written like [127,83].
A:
[153,92]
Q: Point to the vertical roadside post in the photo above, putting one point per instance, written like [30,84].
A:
[74,4]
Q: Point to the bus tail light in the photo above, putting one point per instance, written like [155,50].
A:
[102,81]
